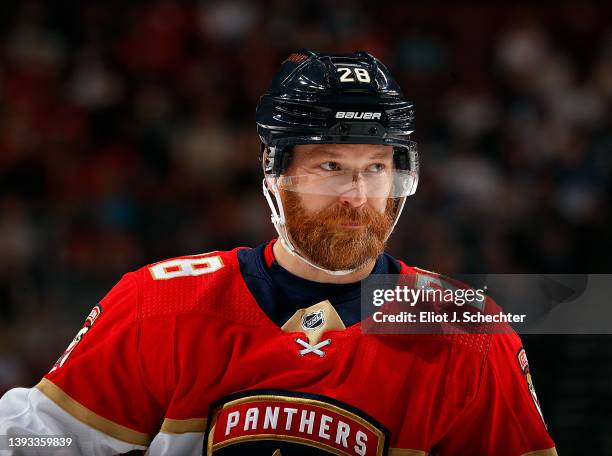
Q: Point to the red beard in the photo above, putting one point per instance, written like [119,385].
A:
[321,238]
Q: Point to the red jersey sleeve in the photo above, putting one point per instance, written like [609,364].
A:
[104,377]
[504,418]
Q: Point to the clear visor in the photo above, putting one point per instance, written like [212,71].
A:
[386,183]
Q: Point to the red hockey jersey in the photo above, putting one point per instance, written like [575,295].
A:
[179,357]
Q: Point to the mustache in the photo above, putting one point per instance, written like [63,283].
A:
[339,214]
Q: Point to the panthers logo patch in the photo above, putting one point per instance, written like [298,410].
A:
[271,422]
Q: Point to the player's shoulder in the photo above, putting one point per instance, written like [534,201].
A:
[427,278]
[199,267]
[489,341]
[187,283]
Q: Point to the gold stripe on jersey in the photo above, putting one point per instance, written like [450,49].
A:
[172,426]
[548,452]
[83,414]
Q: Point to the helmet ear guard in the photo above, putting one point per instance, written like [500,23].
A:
[332,99]
[276,160]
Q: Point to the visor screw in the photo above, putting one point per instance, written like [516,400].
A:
[373,131]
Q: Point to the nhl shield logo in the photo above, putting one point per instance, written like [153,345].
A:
[313,320]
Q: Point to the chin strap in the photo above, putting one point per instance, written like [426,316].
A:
[279,222]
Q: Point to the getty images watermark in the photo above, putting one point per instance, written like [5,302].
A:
[424,302]
[412,298]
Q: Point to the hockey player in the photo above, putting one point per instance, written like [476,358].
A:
[261,351]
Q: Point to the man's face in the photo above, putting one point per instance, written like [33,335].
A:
[337,210]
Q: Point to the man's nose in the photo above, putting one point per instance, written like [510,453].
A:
[356,196]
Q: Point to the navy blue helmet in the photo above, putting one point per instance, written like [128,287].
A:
[334,98]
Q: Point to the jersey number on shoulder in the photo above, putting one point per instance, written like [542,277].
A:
[185,267]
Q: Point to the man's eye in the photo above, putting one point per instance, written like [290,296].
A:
[376,168]
[330,166]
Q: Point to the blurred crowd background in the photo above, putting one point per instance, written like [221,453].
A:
[127,136]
